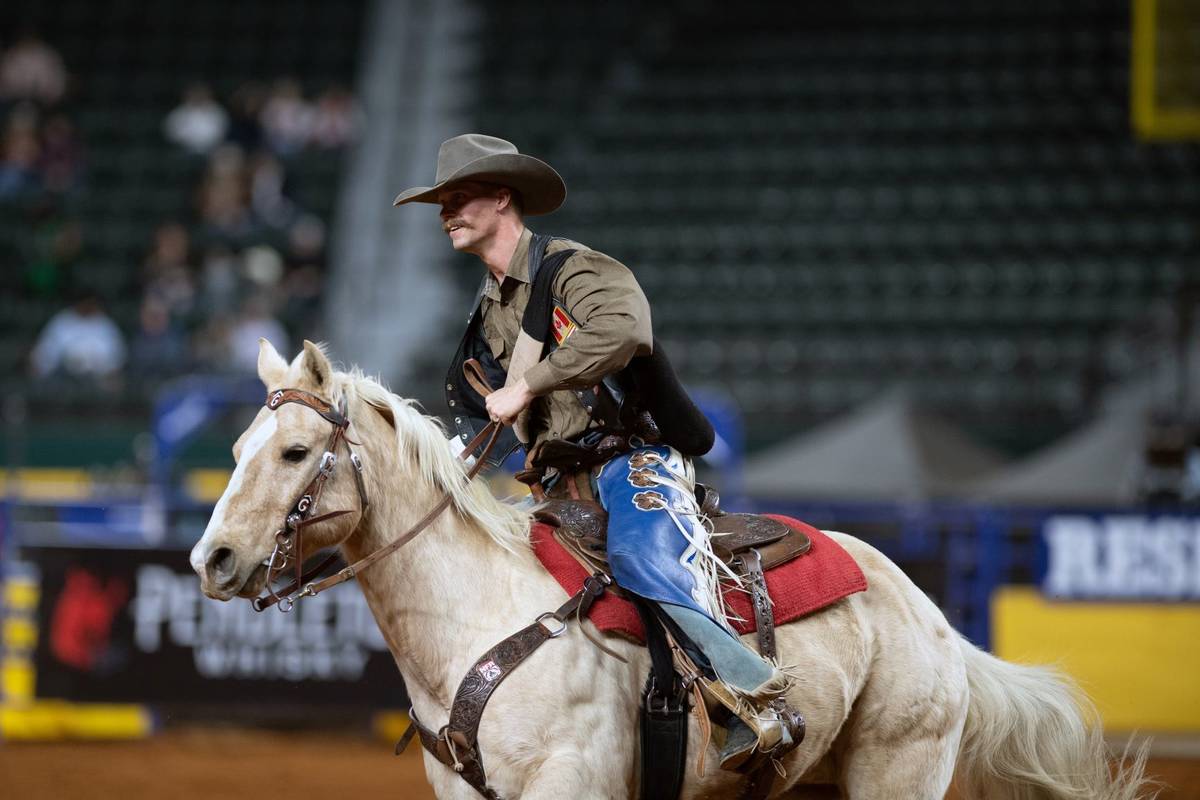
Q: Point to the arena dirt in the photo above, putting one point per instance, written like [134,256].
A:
[215,764]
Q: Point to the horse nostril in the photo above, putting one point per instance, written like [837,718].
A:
[221,564]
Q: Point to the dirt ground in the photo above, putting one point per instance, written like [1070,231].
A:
[215,764]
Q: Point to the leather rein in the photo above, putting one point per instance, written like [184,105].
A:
[287,551]
[455,744]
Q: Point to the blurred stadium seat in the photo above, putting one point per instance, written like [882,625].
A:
[946,175]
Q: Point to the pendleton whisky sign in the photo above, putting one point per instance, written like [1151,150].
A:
[132,626]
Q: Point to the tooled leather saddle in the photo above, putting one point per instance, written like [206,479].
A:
[749,544]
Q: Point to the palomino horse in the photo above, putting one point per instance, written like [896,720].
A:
[896,702]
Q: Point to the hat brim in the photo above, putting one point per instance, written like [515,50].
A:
[542,189]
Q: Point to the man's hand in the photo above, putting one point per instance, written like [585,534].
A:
[507,403]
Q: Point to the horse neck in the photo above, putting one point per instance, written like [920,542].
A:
[443,598]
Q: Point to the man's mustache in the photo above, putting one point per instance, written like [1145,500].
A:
[453,223]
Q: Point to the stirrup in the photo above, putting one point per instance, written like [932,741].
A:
[776,728]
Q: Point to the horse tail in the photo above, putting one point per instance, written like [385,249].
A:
[1031,734]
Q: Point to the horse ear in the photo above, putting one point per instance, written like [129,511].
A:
[316,366]
[271,367]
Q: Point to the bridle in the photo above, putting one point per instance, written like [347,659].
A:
[303,512]
[287,551]
[456,743]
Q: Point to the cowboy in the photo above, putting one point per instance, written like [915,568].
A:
[574,393]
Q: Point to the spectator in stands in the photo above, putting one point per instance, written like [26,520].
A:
[80,342]
[302,285]
[254,322]
[223,195]
[302,301]
[263,267]
[337,119]
[219,282]
[51,249]
[287,118]
[61,161]
[245,130]
[159,348]
[306,241]
[199,123]
[19,153]
[210,344]
[170,250]
[32,70]
[168,272]
[268,198]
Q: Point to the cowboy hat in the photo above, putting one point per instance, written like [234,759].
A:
[477,157]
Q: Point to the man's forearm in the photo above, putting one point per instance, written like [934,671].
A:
[506,404]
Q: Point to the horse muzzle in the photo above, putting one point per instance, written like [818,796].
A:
[223,575]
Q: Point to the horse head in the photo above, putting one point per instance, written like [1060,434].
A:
[271,492]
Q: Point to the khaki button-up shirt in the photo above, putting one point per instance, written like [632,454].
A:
[612,319]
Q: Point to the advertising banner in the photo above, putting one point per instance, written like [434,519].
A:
[1116,608]
[132,626]
[1128,557]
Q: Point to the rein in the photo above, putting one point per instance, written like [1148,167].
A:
[455,744]
[287,539]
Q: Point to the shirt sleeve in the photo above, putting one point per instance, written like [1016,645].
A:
[613,315]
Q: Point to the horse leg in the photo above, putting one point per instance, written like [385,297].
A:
[563,774]
[573,774]
[920,769]
[902,739]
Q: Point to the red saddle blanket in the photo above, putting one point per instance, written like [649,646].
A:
[820,577]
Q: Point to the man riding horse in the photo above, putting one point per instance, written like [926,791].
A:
[560,349]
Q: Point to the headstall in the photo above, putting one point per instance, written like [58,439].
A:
[455,744]
[288,551]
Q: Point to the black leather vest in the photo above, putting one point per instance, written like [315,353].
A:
[467,407]
[648,383]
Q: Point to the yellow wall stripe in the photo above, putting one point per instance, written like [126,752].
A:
[1150,119]
[20,594]
[18,634]
[1137,661]
[50,720]
[46,484]
[17,678]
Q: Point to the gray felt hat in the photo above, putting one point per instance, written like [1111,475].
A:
[477,157]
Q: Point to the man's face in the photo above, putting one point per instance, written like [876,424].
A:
[469,214]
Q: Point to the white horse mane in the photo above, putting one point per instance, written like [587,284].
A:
[421,439]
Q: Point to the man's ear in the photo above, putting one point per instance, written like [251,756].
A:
[271,367]
[316,369]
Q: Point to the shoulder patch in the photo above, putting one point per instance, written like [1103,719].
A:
[561,324]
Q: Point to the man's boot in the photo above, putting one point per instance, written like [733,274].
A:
[748,686]
[773,729]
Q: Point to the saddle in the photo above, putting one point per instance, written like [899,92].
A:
[749,544]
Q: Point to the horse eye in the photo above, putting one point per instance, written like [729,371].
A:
[295,454]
